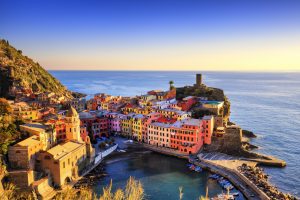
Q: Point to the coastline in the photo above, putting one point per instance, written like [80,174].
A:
[245,186]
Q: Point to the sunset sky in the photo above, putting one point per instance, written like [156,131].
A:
[155,34]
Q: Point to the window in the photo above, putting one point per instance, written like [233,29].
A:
[47,157]
[64,165]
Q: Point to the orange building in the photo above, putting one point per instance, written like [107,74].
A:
[186,136]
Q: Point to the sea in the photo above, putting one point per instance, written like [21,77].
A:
[263,102]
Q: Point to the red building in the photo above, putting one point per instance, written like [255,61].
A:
[96,124]
[208,128]
[187,103]
[187,136]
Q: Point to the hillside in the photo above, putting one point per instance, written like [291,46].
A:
[204,91]
[19,71]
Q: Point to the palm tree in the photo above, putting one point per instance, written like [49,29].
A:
[171,84]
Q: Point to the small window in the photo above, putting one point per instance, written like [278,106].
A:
[47,157]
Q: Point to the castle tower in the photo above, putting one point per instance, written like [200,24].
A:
[199,79]
[72,125]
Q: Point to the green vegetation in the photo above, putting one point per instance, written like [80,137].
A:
[133,191]
[9,133]
[210,93]
[8,127]
[171,83]
[199,113]
[22,72]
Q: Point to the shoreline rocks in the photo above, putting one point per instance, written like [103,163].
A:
[260,179]
[248,134]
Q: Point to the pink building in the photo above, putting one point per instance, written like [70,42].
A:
[208,128]
[150,118]
[187,136]
[159,134]
[114,122]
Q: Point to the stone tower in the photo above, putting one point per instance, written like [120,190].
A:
[199,79]
[72,125]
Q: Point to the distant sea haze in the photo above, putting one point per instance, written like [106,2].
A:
[266,103]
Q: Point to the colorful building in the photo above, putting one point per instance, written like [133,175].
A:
[208,128]
[187,103]
[137,127]
[186,136]
[159,134]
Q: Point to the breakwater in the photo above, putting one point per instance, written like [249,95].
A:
[240,181]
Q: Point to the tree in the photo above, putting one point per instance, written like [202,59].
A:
[171,83]
[5,108]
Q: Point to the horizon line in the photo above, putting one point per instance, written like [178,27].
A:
[162,70]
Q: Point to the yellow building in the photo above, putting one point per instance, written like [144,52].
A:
[46,133]
[26,113]
[72,125]
[63,162]
[137,126]
[126,125]
[143,111]
[23,154]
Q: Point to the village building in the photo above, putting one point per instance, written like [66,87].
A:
[187,103]
[186,136]
[45,132]
[159,134]
[208,128]
[146,121]
[78,104]
[95,123]
[64,161]
[216,107]
[114,122]
[137,126]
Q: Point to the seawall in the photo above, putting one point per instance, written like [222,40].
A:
[246,187]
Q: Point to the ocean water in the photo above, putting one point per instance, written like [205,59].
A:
[266,103]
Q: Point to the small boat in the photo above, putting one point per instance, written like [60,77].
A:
[198,169]
[192,167]
[128,141]
[225,197]
[189,164]
[214,176]
[121,150]
[235,194]
[228,186]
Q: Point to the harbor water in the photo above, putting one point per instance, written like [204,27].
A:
[266,103]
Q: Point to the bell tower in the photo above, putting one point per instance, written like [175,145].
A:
[72,125]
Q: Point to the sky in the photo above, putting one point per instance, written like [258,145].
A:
[243,35]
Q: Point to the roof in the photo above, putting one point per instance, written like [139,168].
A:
[85,115]
[138,116]
[72,112]
[31,141]
[192,122]
[161,125]
[60,151]
[207,117]
[187,98]
[34,127]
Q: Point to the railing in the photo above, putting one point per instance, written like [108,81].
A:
[105,153]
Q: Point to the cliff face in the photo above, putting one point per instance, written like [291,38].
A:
[19,71]
[204,91]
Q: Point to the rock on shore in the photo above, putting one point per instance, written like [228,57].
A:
[248,134]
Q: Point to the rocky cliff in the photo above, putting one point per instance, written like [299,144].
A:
[19,71]
[204,91]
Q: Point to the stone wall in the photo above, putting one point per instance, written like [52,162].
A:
[21,178]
